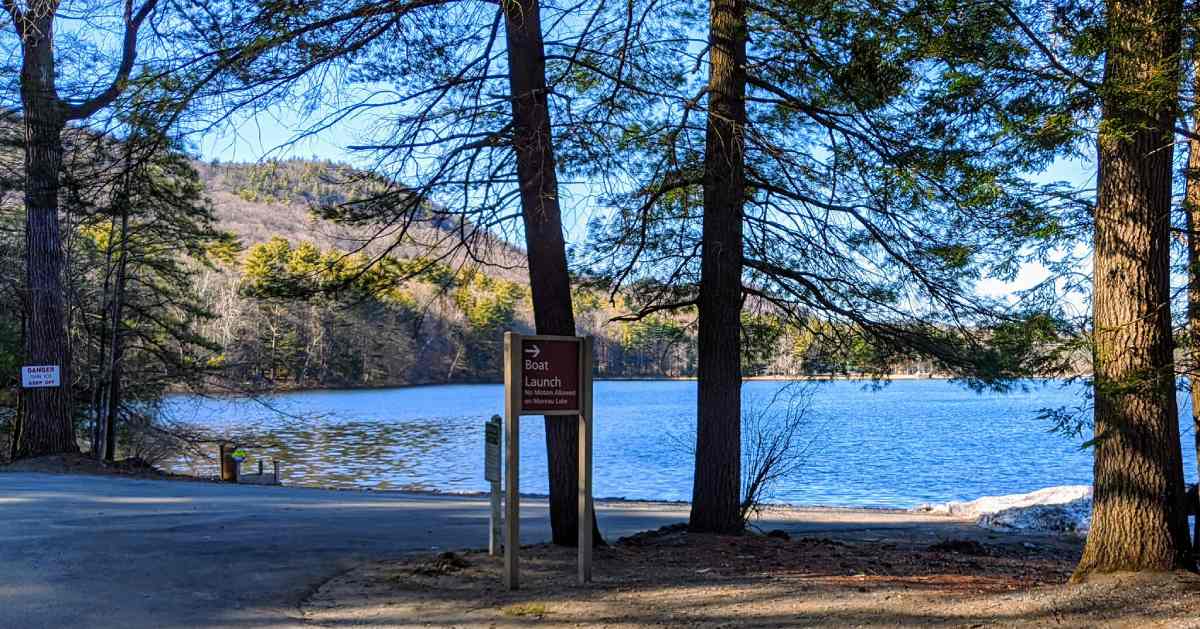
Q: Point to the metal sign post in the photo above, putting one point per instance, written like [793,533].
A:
[547,375]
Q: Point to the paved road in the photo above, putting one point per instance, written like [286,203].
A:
[88,551]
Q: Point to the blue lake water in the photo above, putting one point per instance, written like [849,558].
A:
[907,443]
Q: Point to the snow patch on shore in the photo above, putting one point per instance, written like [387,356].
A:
[1065,509]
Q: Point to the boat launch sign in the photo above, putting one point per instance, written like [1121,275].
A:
[550,372]
[40,376]
[546,375]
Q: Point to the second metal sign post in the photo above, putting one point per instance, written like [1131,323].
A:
[546,375]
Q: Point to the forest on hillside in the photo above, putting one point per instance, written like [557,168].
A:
[292,313]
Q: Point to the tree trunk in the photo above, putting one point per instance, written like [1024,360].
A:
[100,387]
[716,504]
[1139,518]
[1192,210]
[549,280]
[117,351]
[47,426]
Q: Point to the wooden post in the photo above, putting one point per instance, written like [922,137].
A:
[275,464]
[586,425]
[512,421]
[228,467]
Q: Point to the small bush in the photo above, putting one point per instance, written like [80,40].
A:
[777,436]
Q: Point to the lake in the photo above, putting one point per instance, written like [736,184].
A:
[900,445]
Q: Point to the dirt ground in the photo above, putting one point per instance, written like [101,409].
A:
[86,464]
[670,578]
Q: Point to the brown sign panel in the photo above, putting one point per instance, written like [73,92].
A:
[549,375]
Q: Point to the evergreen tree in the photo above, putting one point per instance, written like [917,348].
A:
[470,135]
[145,231]
[870,201]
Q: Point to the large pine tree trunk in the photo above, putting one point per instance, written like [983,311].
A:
[717,487]
[549,280]
[47,426]
[1139,519]
[1192,210]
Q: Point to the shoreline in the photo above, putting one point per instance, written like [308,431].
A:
[1011,513]
[82,465]
[286,390]
[647,502]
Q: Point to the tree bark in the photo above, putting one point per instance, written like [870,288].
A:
[1139,518]
[716,504]
[549,279]
[47,426]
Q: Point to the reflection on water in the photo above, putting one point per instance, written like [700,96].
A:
[354,454]
[907,443]
[364,454]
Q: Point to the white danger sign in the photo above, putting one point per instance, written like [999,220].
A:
[40,376]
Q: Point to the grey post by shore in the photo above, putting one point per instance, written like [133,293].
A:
[491,473]
[546,375]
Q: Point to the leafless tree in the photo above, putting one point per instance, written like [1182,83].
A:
[777,436]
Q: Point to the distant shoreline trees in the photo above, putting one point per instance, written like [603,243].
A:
[296,315]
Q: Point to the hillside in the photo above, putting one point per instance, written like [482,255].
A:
[443,325]
[287,316]
[261,201]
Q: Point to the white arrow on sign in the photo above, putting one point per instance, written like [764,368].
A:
[533,349]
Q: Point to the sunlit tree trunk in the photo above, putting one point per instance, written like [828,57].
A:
[717,486]
[99,386]
[47,422]
[1139,518]
[46,427]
